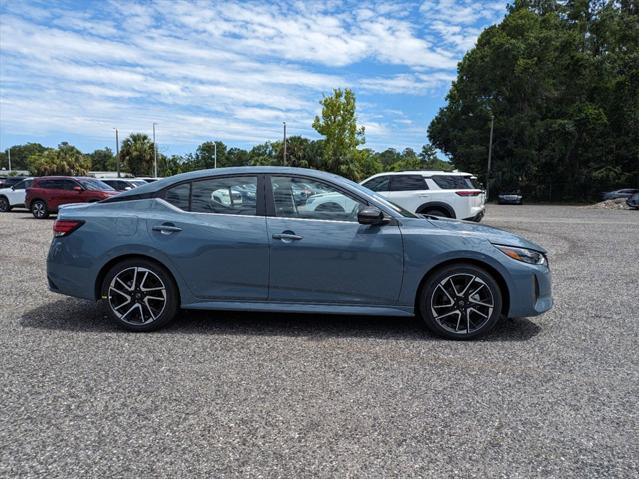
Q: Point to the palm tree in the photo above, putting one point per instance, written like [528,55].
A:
[137,154]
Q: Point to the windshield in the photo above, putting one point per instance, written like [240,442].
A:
[380,199]
[94,185]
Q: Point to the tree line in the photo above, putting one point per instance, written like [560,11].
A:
[561,80]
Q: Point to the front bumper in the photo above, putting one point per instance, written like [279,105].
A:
[530,291]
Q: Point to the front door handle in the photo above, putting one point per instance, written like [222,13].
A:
[167,229]
[287,237]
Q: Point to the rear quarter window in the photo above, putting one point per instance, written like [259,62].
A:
[453,182]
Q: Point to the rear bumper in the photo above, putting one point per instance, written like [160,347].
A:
[477,217]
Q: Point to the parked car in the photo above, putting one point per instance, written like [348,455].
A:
[147,179]
[625,193]
[122,184]
[633,201]
[9,181]
[511,197]
[13,196]
[169,245]
[47,193]
[437,193]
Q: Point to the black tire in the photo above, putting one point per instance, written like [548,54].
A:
[464,318]
[5,206]
[436,212]
[140,312]
[39,209]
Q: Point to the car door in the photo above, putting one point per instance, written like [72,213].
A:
[17,193]
[320,253]
[216,238]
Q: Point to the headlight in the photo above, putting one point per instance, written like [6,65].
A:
[523,254]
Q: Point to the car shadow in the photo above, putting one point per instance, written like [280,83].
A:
[86,316]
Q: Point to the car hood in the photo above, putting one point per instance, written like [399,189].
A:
[494,235]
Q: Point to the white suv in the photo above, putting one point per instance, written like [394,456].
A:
[438,193]
[14,195]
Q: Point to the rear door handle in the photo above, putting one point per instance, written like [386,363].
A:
[167,229]
[287,237]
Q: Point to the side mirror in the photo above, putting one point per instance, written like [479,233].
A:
[77,188]
[370,215]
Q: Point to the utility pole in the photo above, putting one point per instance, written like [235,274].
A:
[117,151]
[284,162]
[155,154]
[9,156]
[215,154]
[490,153]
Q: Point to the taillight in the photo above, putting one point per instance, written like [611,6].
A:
[468,192]
[65,227]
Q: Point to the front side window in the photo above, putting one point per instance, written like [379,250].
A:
[310,199]
[381,183]
[94,185]
[67,184]
[24,184]
[408,183]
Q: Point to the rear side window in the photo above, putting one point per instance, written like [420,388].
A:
[450,182]
[67,184]
[381,183]
[408,183]
[51,184]
[179,196]
[232,195]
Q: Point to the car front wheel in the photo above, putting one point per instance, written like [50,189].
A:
[4,204]
[460,301]
[140,295]
[39,209]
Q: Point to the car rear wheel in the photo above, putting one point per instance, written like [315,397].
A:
[460,301]
[4,204]
[39,209]
[435,212]
[140,295]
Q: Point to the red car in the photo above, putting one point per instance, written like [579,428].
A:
[47,193]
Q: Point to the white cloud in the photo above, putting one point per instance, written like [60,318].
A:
[233,69]
[415,84]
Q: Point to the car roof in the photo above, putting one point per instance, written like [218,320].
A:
[238,170]
[60,177]
[423,173]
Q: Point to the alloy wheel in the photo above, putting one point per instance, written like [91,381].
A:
[4,204]
[39,209]
[462,303]
[137,296]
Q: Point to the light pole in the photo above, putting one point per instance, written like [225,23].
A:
[215,154]
[155,154]
[490,153]
[117,152]
[284,162]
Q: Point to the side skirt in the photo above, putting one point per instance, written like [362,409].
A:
[404,311]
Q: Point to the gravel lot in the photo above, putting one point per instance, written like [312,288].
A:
[260,395]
